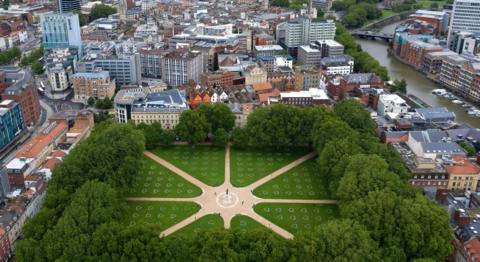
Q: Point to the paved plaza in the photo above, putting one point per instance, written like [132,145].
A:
[226,200]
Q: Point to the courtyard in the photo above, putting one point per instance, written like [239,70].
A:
[185,189]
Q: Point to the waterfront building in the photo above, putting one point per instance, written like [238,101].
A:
[450,71]
[96,84]
[465,17]
[432,62]
[60,31]
[11,122]
[303,31]
[439,18]
[337,65]
[391,103]
[328,47]
[181,66]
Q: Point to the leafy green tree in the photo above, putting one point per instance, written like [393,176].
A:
[399,86]
[102,10]
[7,56]
[366,173]
[81,17]
[469,149]
[434,6]
[280,3]
[331,129]
[355,114]
[378,212]
[29,59]
[320,12]
[240,137]
[37,68]
[105,103]
[218,116]
[221,138]
[93,204]
[5,4]
[193,127]
[339,240]
[334,158]
[91,101]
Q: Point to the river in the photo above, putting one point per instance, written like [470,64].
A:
[417,83]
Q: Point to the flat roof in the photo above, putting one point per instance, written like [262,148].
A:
[268,48]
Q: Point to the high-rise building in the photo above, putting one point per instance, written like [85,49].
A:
[465,17]
[11,121]
[61,31]
[181,66]
[65,6]
[304,31]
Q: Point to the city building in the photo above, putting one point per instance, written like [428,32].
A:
[310,97]
[463,174]
[303,31]
[181,66]
[307,78]
[464,18]
[142,106]
[65,6]
[391,104]
[465,42]
[220,78]
[122,61]
[59,78]
[337,65]
[255,74]
[328,47]
[439,18]
[19,89]
[264,50]
[61,31]
[11,122]
[343,86]
[308,56]
[433,144]
[96,84]
[151,61]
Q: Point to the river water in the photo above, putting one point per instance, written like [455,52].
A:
[417,83]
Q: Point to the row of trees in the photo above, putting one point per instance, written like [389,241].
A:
[357,13]
[85,194]
[7,56]
[215,121]
[101,11]
[364,62]
[32,60]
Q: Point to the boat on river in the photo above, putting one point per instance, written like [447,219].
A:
[439,91]
[457,102]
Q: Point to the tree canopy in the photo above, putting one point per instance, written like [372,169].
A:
[102,10]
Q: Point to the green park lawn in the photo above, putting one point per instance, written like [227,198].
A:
[301,182]
[208,222]
[161,215]
[206,163]
[155,180]
[245,224]
[297,218]
[251,164]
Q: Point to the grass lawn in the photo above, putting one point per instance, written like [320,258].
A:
[208,222]
[249,165]
[155,180]
[245,223]
[297,218]
[301,182]
[387,13]
[161,215]
[206,163]
[427,3]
